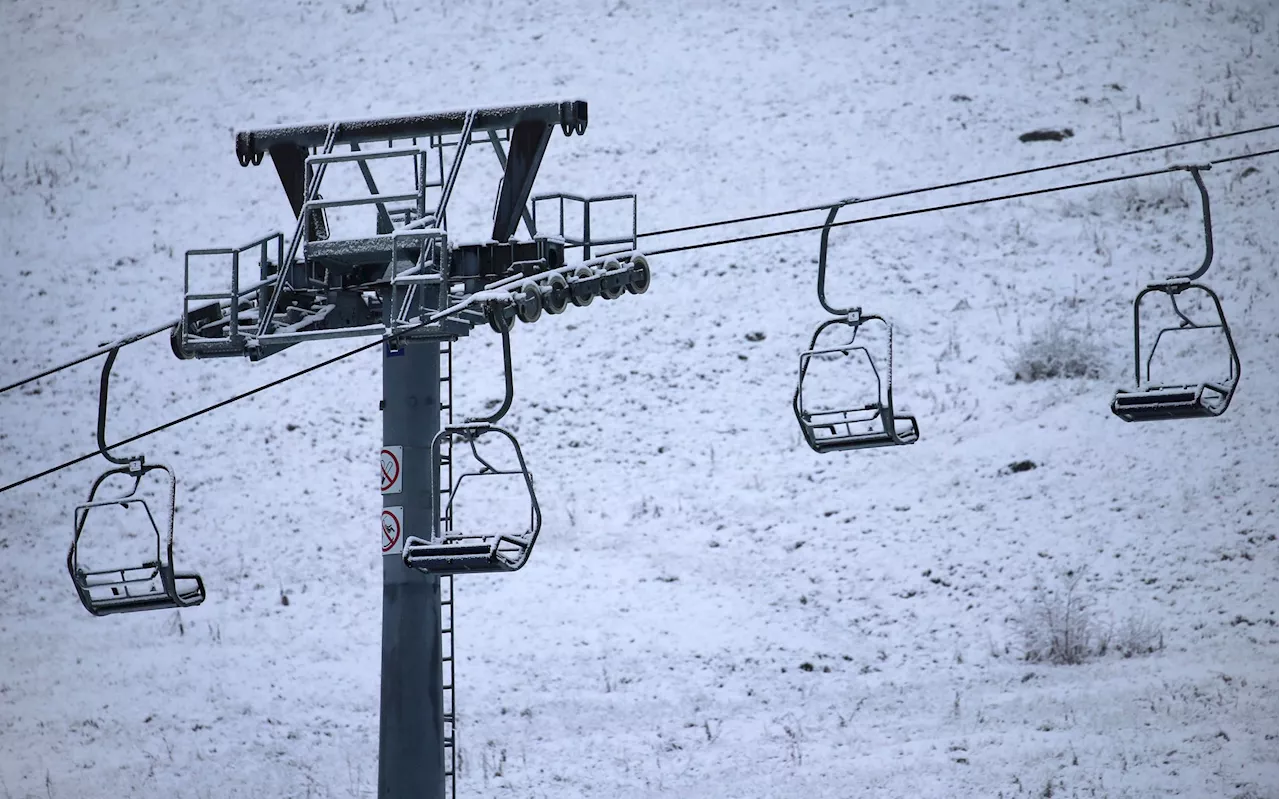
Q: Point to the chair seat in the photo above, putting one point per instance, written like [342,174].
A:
[103,596]
[155,600]
[836,442]
[1163,402]
[478,553]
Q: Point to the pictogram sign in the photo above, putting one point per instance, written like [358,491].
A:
[391,459]
[392,524]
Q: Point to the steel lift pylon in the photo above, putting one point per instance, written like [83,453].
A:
[371,255]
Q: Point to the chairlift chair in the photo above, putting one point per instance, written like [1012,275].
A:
[473,551]
[152,585]
[447,551]
[1156,401]
[846,429]
[1151,401]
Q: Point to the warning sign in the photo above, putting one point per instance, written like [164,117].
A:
[392,524]
[391,458]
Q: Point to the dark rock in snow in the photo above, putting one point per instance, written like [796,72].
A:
[1047,134]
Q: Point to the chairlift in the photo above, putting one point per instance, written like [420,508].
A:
[872,424]
[481,550]
[1152,400]
[448,551]
[154,584]
[151,585]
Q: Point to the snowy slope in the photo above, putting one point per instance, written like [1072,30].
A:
[695,554]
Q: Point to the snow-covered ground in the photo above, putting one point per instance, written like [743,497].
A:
[713,610]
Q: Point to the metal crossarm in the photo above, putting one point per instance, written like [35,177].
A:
[570,115]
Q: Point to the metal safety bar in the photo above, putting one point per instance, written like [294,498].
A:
[432,243]
[364,155]
[500,134]
[361,157]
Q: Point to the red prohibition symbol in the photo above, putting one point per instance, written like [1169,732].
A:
[390,469]
[390,530]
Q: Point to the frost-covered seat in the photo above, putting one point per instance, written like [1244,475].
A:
[151,586]
[466,553]
[1171,402]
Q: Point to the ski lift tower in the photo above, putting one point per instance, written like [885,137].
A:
[396,274]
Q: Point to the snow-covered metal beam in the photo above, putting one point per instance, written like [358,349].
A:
[570,115]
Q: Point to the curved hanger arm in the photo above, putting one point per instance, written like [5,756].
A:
[822,258]
[104,387]
[508,379]
[1208,221]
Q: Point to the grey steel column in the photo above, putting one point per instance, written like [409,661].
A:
[411,729]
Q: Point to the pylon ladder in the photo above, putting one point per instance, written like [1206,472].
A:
[449,695]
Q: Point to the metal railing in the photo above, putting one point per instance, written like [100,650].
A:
[587,240]
[237,293]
